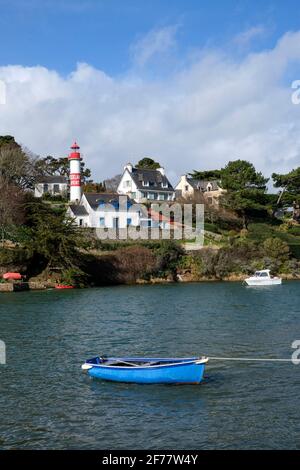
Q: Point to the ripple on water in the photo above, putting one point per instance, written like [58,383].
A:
[46,402]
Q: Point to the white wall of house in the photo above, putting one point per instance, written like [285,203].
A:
[81,220]
[128,186]
[187,191]
[50,188]
[185,187]
[112,219]
[155,195]
[108,217]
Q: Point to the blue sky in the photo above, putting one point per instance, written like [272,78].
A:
[191,83]
[59,33]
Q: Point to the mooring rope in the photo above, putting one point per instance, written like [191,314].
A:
[252,359]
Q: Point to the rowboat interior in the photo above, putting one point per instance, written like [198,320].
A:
[135,362]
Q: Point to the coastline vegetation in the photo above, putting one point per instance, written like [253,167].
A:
[243,235]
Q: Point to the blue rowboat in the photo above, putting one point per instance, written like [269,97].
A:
[147,370]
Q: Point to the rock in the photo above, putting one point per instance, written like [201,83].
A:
[6,287]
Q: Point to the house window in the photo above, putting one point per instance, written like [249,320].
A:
[170,197]
[161,197]
[127,184]
[145,183]
[46,188]
[186,188]
[150,196]
[80,222]
[56,188]
[102,221]
[164,185]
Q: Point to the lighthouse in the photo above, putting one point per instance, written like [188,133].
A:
[75,173]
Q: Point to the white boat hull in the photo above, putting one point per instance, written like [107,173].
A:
[263,282]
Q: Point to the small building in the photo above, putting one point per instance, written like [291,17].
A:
[189,188]
[145,185]
[53,185]
[103,210]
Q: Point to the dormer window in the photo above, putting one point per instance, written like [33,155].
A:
[146,183]
[164,185]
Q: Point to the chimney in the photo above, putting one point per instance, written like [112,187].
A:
[128,167]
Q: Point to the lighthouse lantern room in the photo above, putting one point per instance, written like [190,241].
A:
[75,173]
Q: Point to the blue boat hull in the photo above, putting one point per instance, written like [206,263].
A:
[187,371]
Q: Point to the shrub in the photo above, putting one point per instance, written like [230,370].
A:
[134,262]
[208,262]
[169,255]
[74,277]
[294,230]
[276,249]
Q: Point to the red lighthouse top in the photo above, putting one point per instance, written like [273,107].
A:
[75,146]
[74,155]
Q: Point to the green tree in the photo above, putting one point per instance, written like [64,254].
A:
[290,187]
[169,255]
[276,249]
[92,187]
[55,240]
[61,166]
[245,189]
[206,175]
[148,164]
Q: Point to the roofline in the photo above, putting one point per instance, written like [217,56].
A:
[160,190]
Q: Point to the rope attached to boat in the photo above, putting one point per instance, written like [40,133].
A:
[251,359]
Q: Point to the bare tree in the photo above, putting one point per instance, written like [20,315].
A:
[113,183]
[11,205]
[18,166]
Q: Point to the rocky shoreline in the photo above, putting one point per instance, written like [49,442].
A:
[181,279]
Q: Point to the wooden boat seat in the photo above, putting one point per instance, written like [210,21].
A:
[130,364]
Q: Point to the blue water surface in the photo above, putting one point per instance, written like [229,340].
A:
[46,402]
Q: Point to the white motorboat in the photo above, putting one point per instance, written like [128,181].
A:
[263,278]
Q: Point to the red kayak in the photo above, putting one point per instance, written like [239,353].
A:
[60,286]
[12,276]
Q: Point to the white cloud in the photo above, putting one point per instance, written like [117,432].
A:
[156,42]
[244,38]
[214,110]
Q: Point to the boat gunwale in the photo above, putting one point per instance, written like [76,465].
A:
[195,361]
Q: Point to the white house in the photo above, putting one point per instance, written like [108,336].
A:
[104,210]
[54,185]
[144,185]
[188,188]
